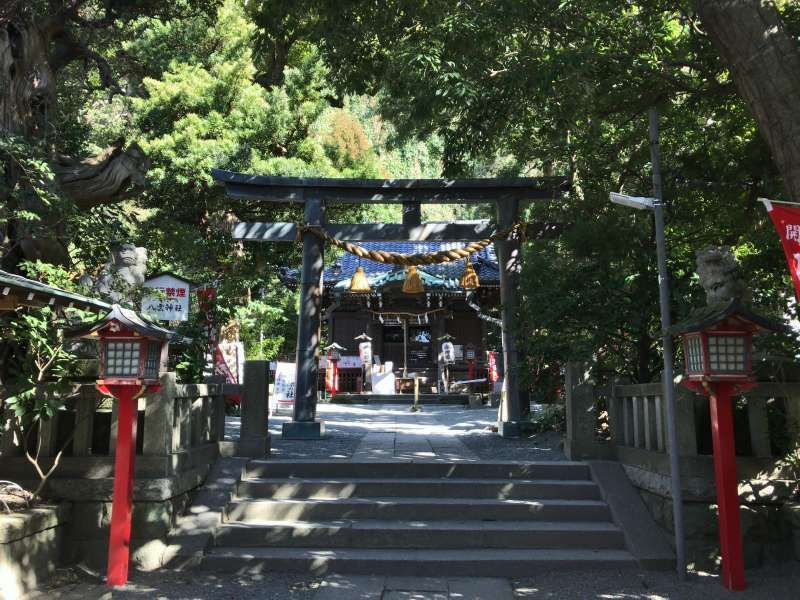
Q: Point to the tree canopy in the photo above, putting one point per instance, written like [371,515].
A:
[137,100]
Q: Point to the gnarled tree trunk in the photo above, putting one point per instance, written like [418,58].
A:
[765,64]
[32,51]
[27,83]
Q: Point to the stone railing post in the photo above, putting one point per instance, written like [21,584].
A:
[254,439]
[759,427]
[88,399]
[686,422]
[159,414]
[218,413]
[48,436]
[792,404]
[581,414]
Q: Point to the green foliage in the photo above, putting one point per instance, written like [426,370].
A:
[550,417]
[542,87]
[41,371]
[268,325]
[29,201]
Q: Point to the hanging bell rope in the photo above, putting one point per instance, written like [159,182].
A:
[413,283]
[424,258]
[469,278]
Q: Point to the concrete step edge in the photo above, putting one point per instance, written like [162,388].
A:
[436,563]
[334,461]
[415,480]
[419,501]
[430,525]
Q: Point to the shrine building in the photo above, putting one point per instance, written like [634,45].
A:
[407,328]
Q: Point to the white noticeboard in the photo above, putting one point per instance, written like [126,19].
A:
[448,352]
[346,362]
[283,389]
[172,301]
[365,352]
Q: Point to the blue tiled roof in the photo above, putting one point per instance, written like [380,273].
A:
[484,261]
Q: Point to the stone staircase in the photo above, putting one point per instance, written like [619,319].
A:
[426,518]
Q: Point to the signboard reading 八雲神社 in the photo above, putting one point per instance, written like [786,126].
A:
[171,302]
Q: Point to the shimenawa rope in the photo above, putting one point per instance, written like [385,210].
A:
[398,258]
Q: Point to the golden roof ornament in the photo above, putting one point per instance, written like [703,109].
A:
[469,278]
[359,282]
[413,282]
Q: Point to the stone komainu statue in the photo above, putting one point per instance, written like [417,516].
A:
[721,275]
[122,274]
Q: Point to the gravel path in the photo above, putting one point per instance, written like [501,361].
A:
[181,585]
[195,586]
[473,428]
[780,582]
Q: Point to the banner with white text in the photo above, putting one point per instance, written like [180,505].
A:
[787,223]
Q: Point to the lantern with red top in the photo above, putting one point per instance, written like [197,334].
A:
[334,355]
[469,355]
[133,355]
[718,352]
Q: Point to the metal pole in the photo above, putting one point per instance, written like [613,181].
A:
[666,338]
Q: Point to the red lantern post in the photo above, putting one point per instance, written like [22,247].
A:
[717,346]
[133,354]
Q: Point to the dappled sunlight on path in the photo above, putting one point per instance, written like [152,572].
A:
[394,432]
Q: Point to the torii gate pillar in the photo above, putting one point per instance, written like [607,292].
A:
[509,260]
[304,425]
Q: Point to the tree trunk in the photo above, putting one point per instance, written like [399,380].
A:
[113,175]
[765,64]
[27,83]
[31,52]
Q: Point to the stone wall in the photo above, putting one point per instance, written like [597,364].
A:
[767,530]
[637,438]
[30,547]
[157,503]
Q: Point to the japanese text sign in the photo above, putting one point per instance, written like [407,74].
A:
[171,303]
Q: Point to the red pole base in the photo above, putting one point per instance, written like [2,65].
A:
[730,534]
[119,541]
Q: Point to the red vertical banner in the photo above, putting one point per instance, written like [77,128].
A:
[494,374]
[329,382]
[332,377]
[787,223]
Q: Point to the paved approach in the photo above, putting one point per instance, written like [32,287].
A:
[391,431]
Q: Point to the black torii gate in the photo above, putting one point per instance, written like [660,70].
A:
[316,193]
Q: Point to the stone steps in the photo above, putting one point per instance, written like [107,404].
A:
[422,534]
[431,517]
[434,509]
[421,563]
[406,469]
[502,489]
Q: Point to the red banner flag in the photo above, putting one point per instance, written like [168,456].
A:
[787,222]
